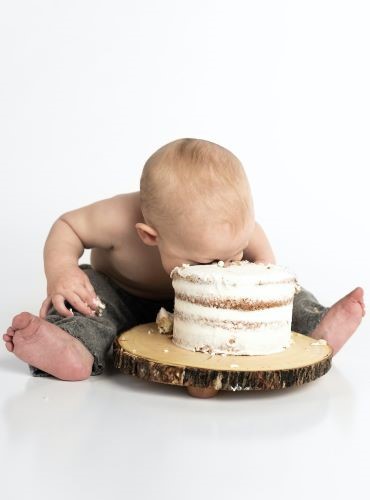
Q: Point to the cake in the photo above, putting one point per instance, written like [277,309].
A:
[239,309]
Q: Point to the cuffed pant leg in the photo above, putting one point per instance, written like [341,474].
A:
[96,333]
[307,312]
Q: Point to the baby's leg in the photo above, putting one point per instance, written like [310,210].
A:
[70,348]
[341,320]
[335,324]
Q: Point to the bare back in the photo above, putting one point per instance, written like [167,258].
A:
[108,228]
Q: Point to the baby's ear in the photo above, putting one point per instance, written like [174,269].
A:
[148,235]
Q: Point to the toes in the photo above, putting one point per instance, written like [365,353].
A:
[8,336]
[10,331]
[8,339]
[9,346]
[357,294]
[21,321]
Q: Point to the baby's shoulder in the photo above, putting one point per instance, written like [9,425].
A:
[123,210]
[129,201]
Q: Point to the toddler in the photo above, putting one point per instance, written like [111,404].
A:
[194,206]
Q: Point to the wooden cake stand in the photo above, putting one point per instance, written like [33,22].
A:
[147,354]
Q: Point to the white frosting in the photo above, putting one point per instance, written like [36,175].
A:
[263,330]
[236,273]
[265,340]
[253,291]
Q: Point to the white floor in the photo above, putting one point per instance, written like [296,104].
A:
[120,437]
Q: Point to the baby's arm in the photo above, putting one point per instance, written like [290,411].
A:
[259,248]
[92,226]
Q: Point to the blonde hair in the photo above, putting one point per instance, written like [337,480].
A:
[193,176]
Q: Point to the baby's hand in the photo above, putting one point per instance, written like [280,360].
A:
[71,284]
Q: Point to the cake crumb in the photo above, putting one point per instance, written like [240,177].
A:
[164,321]
[319,342]
[99,306]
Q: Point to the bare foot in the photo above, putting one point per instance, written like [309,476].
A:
[48,347]
[197,392]
[342,319]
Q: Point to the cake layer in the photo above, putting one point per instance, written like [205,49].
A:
[262,293]
[258,315]
[262,340]
[241,304]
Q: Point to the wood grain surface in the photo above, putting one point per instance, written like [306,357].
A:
[145,353]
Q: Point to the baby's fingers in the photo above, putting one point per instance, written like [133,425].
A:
[80,305]
[90,288]
[45,307]
[87,298]
[59,304]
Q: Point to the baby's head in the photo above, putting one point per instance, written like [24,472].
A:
[196,203]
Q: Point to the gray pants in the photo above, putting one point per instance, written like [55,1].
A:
[124,311]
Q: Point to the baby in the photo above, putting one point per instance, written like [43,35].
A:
[194,206]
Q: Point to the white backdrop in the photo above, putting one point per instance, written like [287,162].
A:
[89,89]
